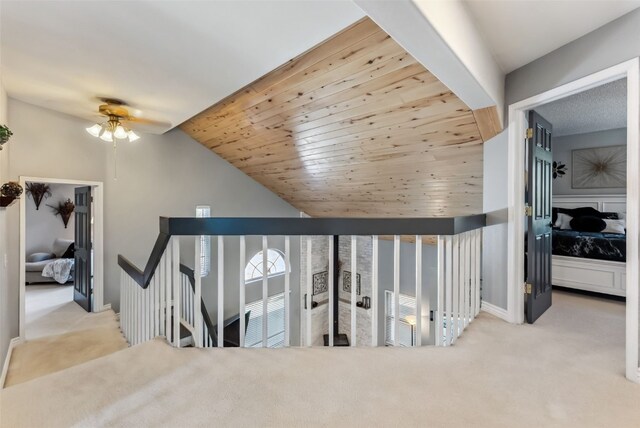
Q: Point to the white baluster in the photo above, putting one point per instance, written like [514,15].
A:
[449,289]
[472,281]
[196,321]
[243,308]
[220,293]
[467,276]
[374,291]
[287,291]
[396,289]
[265,292]
[161,292]
[175,248]
[456,289]
[418,290]
[330,284]
[354,289]
[167,293]
[478,270]
[440,292]
[308,293]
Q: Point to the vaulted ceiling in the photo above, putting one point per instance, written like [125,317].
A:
[354,127]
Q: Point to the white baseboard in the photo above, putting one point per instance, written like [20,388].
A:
[106,307]
[495,311]
[5,367]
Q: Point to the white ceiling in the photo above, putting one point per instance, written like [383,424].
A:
[598,109]
[520,31]
[169,59]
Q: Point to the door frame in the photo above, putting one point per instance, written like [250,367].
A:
[97,188]
[515,247]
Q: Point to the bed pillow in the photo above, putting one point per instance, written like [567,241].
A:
[40,257]
[588,224]
[615,226]
[563,221]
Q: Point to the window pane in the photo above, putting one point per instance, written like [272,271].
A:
[275,265]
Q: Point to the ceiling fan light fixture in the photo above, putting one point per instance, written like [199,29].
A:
[120,133]
[107,136]
[95,130]
[132,136]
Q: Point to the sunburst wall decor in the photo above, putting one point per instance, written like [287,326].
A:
[598,168]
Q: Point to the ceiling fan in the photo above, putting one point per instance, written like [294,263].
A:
[117,125]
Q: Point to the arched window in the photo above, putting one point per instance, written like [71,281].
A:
[275,265]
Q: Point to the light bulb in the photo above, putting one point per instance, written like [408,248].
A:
[133,136]
[107,136]
[120,132]
[95,130]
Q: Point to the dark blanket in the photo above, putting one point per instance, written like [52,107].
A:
[590,245]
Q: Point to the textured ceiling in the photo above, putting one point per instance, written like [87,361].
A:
[598,109]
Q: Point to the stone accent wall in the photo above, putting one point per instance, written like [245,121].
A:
[320,263]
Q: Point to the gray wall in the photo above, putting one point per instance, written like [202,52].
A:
[158,175]
[562,147]
[609,45]
[43,226]
[494,238]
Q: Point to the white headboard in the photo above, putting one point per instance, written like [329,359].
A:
[603,203]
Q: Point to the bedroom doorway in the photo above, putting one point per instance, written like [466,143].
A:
[61,254]
[610,276]
[576,196]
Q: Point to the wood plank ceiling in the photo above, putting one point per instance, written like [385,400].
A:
[353,127]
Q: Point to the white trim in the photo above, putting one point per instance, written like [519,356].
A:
[495,310]
[98,242]
[7,359]
[515,298]
[606,203]
[600,276]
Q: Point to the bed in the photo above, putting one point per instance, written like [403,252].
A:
[591,261]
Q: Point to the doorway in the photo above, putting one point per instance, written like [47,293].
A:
[71,283]
[516,174]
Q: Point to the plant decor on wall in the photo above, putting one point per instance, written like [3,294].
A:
[559,169]
[5,134]
[64,210]
[39,192]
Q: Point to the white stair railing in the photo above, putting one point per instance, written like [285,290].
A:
[459,261]
[172,299]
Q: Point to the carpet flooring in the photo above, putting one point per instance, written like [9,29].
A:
[566,370]
[60,334]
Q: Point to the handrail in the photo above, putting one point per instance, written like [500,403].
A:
[189,273]
[294,226]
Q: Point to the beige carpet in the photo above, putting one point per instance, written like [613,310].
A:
[60,334]
[566,370]
[50,311]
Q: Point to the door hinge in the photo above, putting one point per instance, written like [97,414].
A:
[527,288]
[528,210]
[529,133]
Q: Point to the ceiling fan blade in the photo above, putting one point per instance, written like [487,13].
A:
[145,121]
